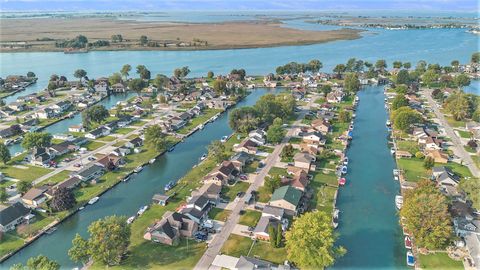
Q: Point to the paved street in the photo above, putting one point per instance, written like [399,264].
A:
[458,148]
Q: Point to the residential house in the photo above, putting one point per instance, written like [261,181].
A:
[76,128]
[102,88]
[257,136]
[10,131]
[273,212]
[40,156]
[335,96]
[288,198]
[97,133]
[118,88]
[45,113]
[261,230]
[241,159]
[300,180]
[160,199]
[197,208]
[170,228]
[223,174]
[210,190]
[12,215]
[90,172]
[35,196]
[438,156]
[134,143]
[321,125]
[303,160]
[69,183]
[17,106]
[110,162]
[315,138]
[247,146]
[61,107]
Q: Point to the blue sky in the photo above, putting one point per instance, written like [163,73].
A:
[165,5]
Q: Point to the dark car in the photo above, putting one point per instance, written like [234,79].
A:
[240,194]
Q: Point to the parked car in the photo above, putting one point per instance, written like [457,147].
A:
[243,177]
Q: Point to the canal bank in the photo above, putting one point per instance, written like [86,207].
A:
[126,198]
[369,227]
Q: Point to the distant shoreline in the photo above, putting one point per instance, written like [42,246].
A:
[19,35]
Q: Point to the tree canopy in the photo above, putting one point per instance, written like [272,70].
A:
[155,138]
[4,153]
[276,132]
[404,117]
[39,262]
[36,139]
[217,151]
[399,101]
[95,114]
[472,188]
[63,199]
[352,83]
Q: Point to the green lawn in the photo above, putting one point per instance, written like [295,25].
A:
[464,134]
[29,173]
[236,245]
[439,261]
[124,130]
[92,145]
[266,149]
[219,214]
[250,218]
[202,118]
[413,169]
[409,146]
[107,138]
[274,171]
[230,192]
[251,168]
[295,140]
[328,179]
[9,243]
[63,175]
[266,252]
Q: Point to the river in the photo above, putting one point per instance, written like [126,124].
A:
[369,227]
[126,198]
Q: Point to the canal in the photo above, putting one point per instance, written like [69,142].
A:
[127,197]
[368,225]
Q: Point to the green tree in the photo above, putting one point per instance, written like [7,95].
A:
[108,242]
[95,114]
[4,153]
[30,74]
[244,119]
[287,151]
[352,83]
[397,64]
[455,64]
[155,138]
[310,242]
[272,233]
[381,65]
[404,118]
[160,81]
[23,186]
[428,163]
[63,199]
[272,183]
[403,77]
[458,105]
[276,132]
[315,65]
[210,74]
[3,195]
[344,116]
[399,101]
[325,89]
[426,217]
[429,77]
[401,89]
[125,70]
[136,85]
[461,80]
[80,74]
[80,250]
[475,57]
[471,187]
[217,151]
[421,67]
[143,72]
[36,139]
[143,40]
[220,86]
[39,262]
[407,65]
[278,240]
[339,69]
[115,78]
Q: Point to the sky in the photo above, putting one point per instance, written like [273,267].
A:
[170,5]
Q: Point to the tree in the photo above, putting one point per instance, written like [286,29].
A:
[79,250]
[4,153]
[96,114]
[63,199]
[80,74]
[23,186]
[220,86]
[455,64]
[475,57]
[397,64]
[315,65]
[407,65]
[404,118]
[3,195]
[325,89]
[244,119]
[428,163]
[472,188]
[30,74]
[340,68]
[401,89]
[272,183]
[310,242]
[115,78]
[426,217]
[108,242]
[160,81]
[125,70]
[143,72]
[461,80]
[429,77]
[403,77]
[272,233]
[217,151]
[344,116]
[36,140]
[437,94]
[458,105]
[155,138]
[37,263]
[287,151]
[136,85]
[276,132]
[278,240]
[210,74]
[381,65]
[399,101]
[352,83]
[143,40]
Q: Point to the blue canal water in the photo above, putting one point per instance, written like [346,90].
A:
[368,225]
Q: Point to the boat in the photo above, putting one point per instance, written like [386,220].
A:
[130,219]
[396,178]
[405,232]
[410,259]
[408,242]
[126,179]
[169,185]
[93,200]
[81,208]
[142,210]
[344,170]
[215,117]
[224,139]
[354,115]
[388,123]
[342,181]
[203,157]
[399,201]
[392,151]
[201,126]
[151,161]
[171,149]
[396,172]
[345,161]
[350,127]
[51,230]
[336,214]
[138,169]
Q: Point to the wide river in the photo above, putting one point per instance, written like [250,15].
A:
[369,227]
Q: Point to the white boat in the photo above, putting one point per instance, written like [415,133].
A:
[396,172]
[138,169]
[388,123]
[126,179]
[399,201]
[151,161]
[396,178]
[142,210]
[215,117]
[354,115]
[336,214]
[81,208]
[345,161]
[392,151]
[357,99]
[203,157]
[224,139]
[51,230]
[201,126]
[130,219]
[93,200]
